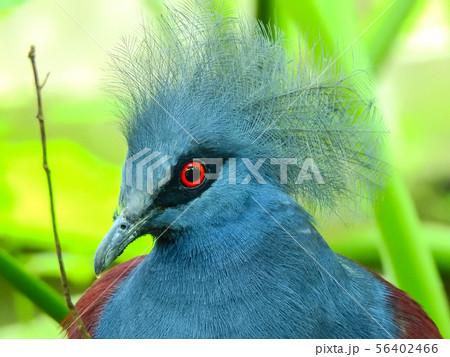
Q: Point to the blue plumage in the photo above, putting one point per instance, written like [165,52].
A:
[241,276]
[236,256]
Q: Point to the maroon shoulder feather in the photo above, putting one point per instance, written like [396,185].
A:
[94,299]
[412,320]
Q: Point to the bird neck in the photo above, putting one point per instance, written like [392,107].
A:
[265,217]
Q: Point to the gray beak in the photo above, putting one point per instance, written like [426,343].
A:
[121,234]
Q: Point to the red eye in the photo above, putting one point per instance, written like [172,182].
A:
[193,174]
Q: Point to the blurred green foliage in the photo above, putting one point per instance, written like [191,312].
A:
[407,48]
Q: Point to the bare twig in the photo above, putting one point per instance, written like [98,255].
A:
[40,116]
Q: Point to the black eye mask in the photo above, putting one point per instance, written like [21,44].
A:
[175,192]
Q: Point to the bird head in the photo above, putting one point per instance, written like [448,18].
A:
[210,105]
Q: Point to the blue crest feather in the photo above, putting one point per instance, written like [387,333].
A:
[204,76]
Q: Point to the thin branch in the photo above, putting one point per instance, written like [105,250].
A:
[44,81]
[40,116]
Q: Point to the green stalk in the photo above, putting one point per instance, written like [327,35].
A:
[409,256]
[33,288]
